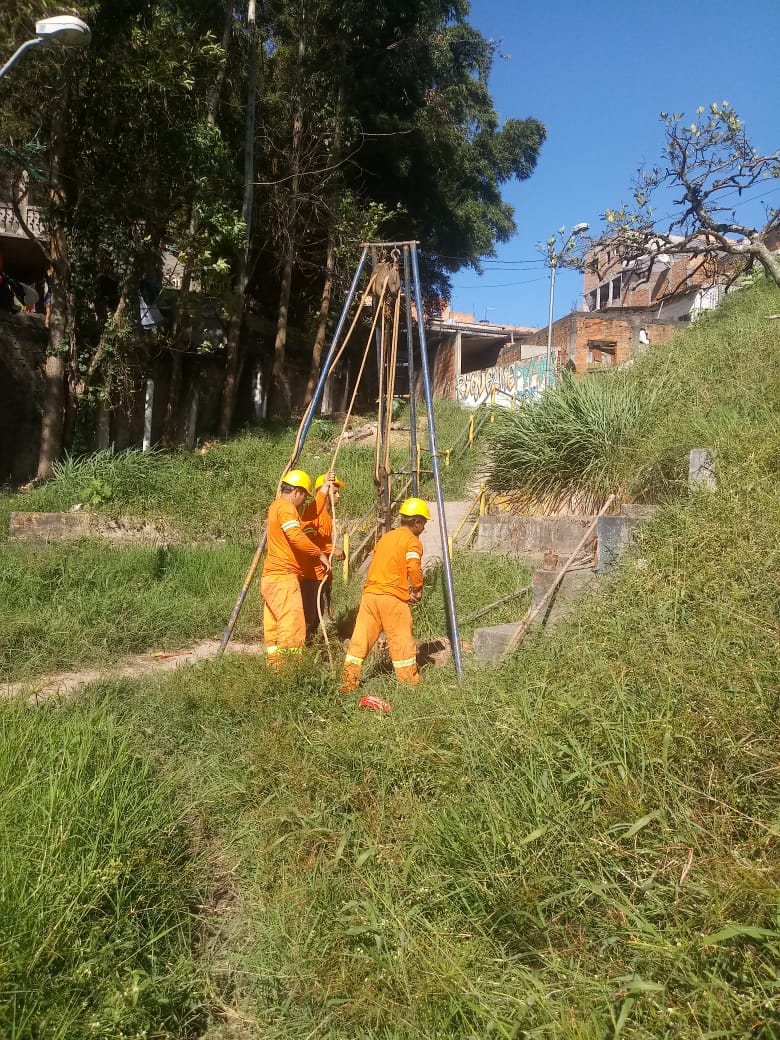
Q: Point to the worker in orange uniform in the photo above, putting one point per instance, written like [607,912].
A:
[287,547]
[318,526]
[394,580]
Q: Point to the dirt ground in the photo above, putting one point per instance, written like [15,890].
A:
[63,684]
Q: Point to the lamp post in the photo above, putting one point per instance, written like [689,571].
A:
[63,29]
[554,259]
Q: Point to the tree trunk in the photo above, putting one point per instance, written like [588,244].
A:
[234,354]
[170,422]
[280,396]
[182,321]
[53,414]
[280,384]
[322,317]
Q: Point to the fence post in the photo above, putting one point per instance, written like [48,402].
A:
[492,404]
[447,456]
[449,546]
[482,500]
[345,565]
[419,458]
[471,431]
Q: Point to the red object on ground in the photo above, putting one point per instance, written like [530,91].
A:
[375,703]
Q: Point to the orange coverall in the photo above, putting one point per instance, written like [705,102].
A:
[317,526]
[384,607]
[287,547]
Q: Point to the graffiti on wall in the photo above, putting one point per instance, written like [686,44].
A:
[520,381]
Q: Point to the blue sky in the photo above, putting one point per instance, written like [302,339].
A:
[598,75]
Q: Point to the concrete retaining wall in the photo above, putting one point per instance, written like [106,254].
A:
[531,534]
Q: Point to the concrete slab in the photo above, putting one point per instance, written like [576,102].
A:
[491,642]
[615,534]
[531,534]
[431,538]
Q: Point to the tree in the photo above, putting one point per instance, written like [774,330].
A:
[709,162]
[390,111]
[123,149]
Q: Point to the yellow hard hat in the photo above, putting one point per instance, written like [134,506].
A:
[298,479]
[415,507]
[321,480]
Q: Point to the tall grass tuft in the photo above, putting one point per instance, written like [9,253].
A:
[97,890]
[581,440]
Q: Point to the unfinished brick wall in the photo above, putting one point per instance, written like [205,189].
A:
[612,285]
[443,368]
[584,341]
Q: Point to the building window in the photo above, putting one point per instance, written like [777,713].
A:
[617,288]
[591,300]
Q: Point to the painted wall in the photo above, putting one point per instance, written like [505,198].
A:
[519,380]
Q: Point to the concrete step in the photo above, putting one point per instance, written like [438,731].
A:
[491,641]
[454,513]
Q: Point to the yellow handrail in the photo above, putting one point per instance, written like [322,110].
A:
[481,502]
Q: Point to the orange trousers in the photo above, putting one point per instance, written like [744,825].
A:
[284,624]
[379,614]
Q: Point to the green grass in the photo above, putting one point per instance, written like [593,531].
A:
[581,844]
[87,604]
[223,492]
[84,604]
[99,885]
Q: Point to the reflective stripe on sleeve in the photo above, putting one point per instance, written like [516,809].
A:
[290,650]
[405,664]
[290,523]
[271,649]
[351,659]
[413,556]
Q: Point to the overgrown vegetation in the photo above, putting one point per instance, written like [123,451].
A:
[99,889]
[630,431]
[583,843]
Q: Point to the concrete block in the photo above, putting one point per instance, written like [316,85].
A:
[573,585]
[702,475]
[490,642]
[531,534]
[614,536]
[43,528]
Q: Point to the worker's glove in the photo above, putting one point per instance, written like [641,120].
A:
[415,595]
[325,561]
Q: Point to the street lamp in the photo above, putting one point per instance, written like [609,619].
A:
[554,260]
[63,29]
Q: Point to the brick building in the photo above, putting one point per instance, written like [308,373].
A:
[674,286]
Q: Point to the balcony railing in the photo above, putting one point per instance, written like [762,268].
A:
[9,225]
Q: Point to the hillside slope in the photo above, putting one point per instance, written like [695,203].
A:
[582,844]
